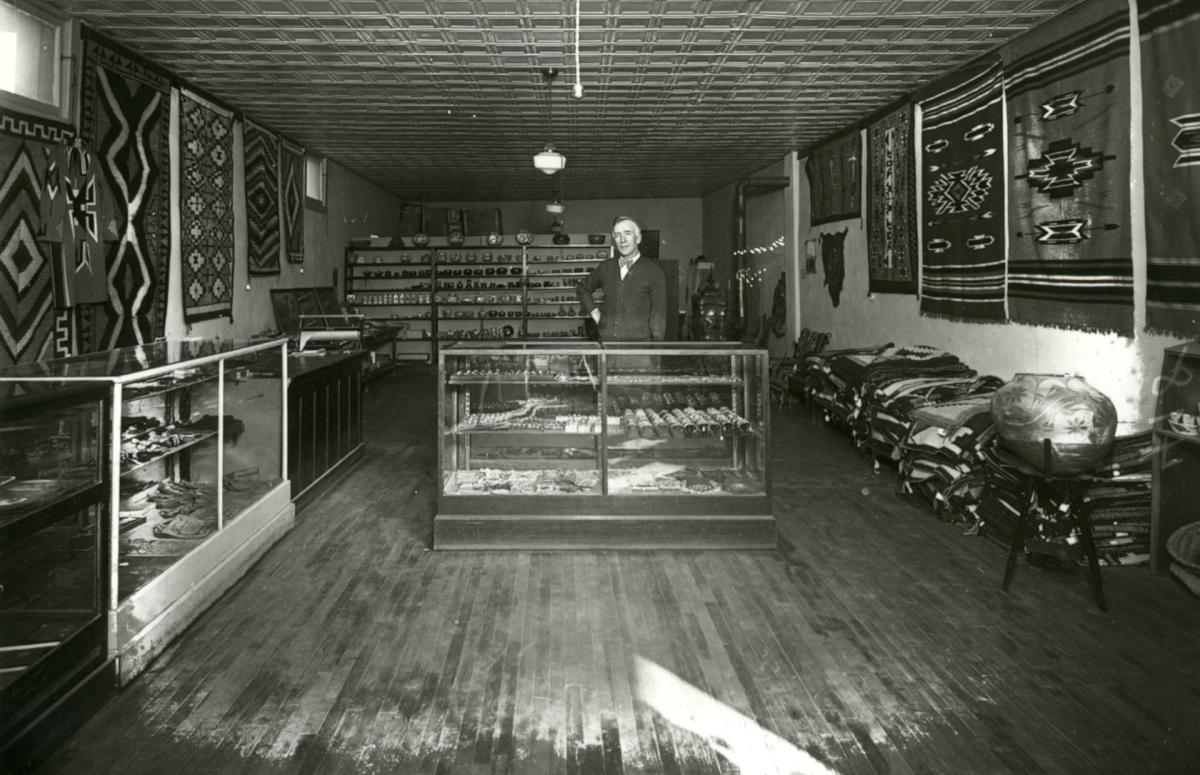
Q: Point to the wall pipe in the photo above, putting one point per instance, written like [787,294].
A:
[758,186]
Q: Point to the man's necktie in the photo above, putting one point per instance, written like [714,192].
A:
[625,263]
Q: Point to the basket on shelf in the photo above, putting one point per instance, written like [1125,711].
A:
[1184,548]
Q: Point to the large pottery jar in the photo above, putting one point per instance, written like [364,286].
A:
[1079,421]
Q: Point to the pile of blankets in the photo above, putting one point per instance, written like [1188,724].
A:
[930,413]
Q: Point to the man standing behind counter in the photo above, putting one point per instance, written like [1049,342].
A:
[635,290]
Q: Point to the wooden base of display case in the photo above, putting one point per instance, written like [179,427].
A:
[546,531]
[149,619]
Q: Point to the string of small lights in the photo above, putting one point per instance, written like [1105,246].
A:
[760,249]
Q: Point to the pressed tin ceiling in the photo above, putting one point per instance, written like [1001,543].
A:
[446,101]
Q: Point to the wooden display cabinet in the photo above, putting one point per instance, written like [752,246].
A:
[562,445]
[1175,499]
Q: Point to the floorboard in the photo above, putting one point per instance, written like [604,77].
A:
[874,640]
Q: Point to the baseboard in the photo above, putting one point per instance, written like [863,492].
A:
[538,532]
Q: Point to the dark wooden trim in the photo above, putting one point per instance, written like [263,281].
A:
[492,531]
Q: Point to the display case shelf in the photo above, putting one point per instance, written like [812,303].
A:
[366,264]
[1176,466]
[134,393]
[196,438]
[1165,432]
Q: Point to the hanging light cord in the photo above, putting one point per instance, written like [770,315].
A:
[578,81]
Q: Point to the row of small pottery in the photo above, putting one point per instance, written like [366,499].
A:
[1079,421]
[456,238]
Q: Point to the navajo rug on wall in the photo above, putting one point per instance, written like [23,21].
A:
[291,188]
[1070,256]
[26,285]
[261,156]
[962,197]
[125,118]
[1170,31]
[73,227]
[834,174]
[205,207]
[891,204]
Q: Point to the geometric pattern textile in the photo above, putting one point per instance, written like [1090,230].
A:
[125,119]
[291,190]
[262,198]
[71,212]
[1070,259]
[962,197]
[834,171]
[205,207]
[891,204]
[26,284]
[1170,32]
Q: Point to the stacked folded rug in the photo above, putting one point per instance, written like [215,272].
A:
[931,413]
[1116,496]
[940,459]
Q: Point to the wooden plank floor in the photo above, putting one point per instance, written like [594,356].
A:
[875,640]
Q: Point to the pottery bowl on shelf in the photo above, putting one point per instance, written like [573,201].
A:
[420,239]
[493,239]
[597,239]
[524,237]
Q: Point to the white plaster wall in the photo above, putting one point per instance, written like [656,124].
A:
[1122,368]
[769,215]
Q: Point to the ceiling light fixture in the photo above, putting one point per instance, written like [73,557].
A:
[550,161]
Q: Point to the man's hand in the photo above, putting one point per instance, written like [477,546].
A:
[596,316]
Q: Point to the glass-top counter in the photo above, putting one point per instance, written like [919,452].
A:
[127,364]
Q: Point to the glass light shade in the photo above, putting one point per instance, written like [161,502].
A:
[549,161]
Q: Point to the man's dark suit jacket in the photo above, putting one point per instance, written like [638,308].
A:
[635,309]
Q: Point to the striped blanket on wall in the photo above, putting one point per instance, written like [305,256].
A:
[1170,31]
[962,197]
[1070,257]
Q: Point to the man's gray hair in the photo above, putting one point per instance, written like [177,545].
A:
[637,226]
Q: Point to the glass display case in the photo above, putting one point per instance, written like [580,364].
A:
[1173,501]
[587,445]
[125,480]
[53,543]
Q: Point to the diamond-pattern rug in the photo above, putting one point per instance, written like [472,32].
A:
[205,207]
[125,120]
[262,198]
[26,287]
[291,189]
